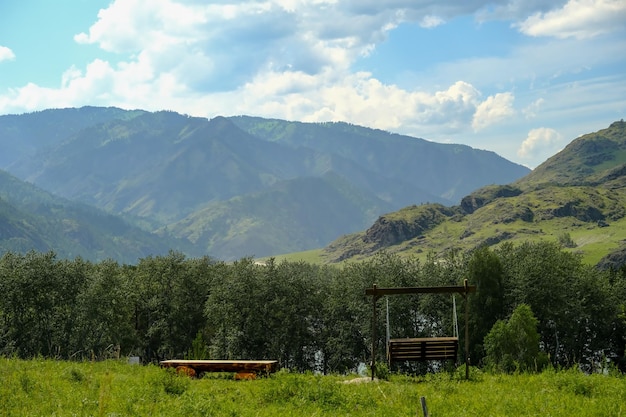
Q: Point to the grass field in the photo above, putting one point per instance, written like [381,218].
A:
[114,388]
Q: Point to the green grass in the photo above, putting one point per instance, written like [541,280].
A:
[111,388]
[313,256]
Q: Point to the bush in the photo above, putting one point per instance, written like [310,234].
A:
[514,345]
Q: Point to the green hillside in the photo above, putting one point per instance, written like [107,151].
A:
[594,158]
[32,219]
[303,212]
[576,198]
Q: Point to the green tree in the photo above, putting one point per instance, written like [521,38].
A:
[565,296]
[487,305]
[170,296]
[513,345]
[38,301]
[104,311]
[233,312]
[344,321]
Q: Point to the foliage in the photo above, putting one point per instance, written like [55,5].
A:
[308,317]
[488,304]
[513,345]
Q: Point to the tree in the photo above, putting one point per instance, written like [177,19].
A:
[37,304]
[485,270]
[344,321]
[104,312]
[569,299]
[170,293]
[513,345]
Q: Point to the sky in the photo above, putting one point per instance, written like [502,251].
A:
[522,78]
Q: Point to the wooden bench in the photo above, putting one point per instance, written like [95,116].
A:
[241,367]
[423,349]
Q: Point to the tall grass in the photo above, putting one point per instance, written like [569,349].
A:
[113,388]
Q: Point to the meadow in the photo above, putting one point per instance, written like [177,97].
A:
[43,387]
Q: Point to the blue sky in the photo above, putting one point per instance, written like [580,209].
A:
[519,77]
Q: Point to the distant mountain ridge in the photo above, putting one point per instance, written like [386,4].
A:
[430,167]
[577,198]
[32,219]
[213,182]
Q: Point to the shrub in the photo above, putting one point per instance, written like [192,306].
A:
[513,345]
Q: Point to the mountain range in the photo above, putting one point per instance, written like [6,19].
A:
[107,182]
[576,198]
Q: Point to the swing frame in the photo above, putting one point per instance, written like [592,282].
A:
[410,350]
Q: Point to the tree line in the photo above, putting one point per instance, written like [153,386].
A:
[309,317]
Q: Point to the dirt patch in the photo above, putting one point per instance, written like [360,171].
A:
[362,380]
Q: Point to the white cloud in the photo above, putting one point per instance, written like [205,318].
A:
[6,54]
[530,112]
[135,25]
[241,39]
[515,9]
[295,95]
[540,142]
[430,21]
[362,99]
[578,19]
[493,110]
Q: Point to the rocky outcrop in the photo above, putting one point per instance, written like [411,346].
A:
[614,260]
[484,196]
[387,231]
[577,210]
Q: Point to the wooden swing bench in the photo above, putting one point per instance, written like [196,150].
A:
[423,349]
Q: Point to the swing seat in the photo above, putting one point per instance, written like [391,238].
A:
[423,349]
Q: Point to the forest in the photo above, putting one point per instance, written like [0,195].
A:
[311,317]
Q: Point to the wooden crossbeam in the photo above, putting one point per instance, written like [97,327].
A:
[461,289]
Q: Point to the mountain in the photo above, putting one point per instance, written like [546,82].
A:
[595,158]
[32,219]
[306,212]
[577,197]
[23,135]
[446,171]
[241,185]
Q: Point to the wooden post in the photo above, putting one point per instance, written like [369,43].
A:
[467,358]
[374,334]
[424,408]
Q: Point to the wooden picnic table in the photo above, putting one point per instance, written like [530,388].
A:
[246,369]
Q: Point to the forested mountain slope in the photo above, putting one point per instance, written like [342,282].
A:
[32,219]
[577,197]
[21,136]
[441,169]
[168,171]
[284,218]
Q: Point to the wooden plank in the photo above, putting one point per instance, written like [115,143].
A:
[423,349]
[267,366]
[424,339]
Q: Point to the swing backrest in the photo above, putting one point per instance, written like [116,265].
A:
[423,349]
